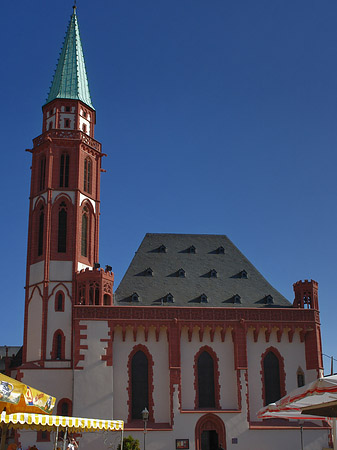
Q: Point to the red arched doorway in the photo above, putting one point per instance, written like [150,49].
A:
[210,433]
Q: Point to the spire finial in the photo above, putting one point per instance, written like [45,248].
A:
[74,7]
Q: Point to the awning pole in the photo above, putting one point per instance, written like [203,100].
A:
[4,428]
[302,437]
[56,438]
[122,439]
[65,439]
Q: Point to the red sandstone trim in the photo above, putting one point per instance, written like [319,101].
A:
[63,345]
[108,357]
[145,350]
[210,422]
[213,355]
[282,372]
[78,338]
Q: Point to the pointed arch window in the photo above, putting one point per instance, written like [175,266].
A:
[58,345]
[62,229]
[59,301]
[41,229]
[42,173]
[94,294]
[139,384]
[84,236]
[300,377]
[64,170]
[272,381]
[87,175]
[206,388]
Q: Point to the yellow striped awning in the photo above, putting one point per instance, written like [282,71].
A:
[46,422]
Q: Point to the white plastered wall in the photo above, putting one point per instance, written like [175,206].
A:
[63,117]
[34,328]
[85,121]
[59,319]
[93,386]
[161,382]
[60,270]
[293,354]
[227,374]
[36,273]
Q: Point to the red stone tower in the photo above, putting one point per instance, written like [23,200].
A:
[63,236]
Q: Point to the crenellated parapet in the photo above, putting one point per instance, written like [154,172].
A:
[94,287]
[306,294]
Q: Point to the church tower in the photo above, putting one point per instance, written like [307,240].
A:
[63,234]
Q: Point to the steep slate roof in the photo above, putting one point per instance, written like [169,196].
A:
[70,78]
[154,273]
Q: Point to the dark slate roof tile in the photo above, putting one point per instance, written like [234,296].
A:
[186,291]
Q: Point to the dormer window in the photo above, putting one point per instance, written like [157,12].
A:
[169,298]
[220,250]
[191,249]
[213,273]
[162,249]
[135,297]
[237,298]
[203,298]
[243,274]
[269,300]
[149,272]
[181,273]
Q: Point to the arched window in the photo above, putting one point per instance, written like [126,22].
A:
[84,237]
[62,229]
[58,345]
[107,300]
[272,382]
[42,173]
[206,391]
[64,407]
[81,294]
[87,175]
[139,384]
[93,293]
[300,377]
[64,170]
[59,301]
[41,228]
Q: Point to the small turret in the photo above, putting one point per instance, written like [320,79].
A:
[306,294]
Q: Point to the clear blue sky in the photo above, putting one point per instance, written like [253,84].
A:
[217,116]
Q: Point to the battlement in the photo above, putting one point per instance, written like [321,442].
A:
[94,287]
[306,294]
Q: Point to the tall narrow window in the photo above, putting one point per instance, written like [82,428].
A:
[272,385]
[87,175]
[41,227]
[64,170]
[140,384]
[300,377]
[93,294]
[206,391]
[42,173]
[59,301]
[84,237]
[58,346]
[62,229]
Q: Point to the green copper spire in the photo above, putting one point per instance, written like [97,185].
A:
[70,78]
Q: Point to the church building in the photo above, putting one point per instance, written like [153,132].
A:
[193,333]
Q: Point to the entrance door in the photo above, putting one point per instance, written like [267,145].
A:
[209,440]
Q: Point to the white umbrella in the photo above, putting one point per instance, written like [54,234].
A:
[314,401]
